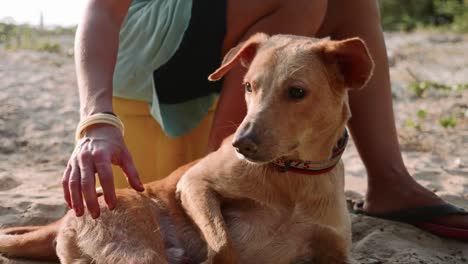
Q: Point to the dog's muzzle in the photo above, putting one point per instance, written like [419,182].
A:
[246,145]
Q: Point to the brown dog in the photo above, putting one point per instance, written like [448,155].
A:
[277,196]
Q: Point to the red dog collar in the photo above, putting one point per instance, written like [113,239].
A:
[310,167]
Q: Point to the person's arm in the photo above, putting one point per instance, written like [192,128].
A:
[96,48]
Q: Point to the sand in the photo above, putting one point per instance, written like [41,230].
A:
[39,111]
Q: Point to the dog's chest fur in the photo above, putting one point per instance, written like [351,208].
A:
[277,221]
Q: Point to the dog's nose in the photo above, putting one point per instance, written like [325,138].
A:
[245,145]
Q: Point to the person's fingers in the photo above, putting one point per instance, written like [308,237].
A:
[131,172]
[104,170]
[75,188]
[65,187]
[88,182]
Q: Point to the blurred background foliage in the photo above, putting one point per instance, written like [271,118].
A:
[397,15]
[407,15]
[13,36]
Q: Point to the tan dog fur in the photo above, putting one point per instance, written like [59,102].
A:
[235,208]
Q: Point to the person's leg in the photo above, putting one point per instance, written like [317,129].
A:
[390,186]
[372,125]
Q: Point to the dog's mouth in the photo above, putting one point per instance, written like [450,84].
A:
[260,159]
[253,159]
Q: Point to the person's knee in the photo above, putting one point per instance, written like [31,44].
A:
[313,4]
[373,10]
[308,14]
[305,7]
[299,17]
[366,10]
[350,18]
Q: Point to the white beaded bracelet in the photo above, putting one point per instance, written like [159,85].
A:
[99,118]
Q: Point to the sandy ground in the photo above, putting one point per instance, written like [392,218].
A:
[38,114]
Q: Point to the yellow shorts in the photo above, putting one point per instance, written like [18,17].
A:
[156,155]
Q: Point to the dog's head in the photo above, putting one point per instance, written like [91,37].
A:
[296,93]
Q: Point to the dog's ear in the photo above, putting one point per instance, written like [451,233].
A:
[353,60]
[243,53]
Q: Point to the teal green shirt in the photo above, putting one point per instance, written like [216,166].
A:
[149,37]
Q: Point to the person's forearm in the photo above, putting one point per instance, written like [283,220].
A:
[96,47]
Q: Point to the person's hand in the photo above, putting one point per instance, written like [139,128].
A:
[101,146]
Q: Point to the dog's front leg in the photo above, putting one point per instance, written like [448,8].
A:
[202,204]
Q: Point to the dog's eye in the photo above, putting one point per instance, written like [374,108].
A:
[248,87]
[296,93]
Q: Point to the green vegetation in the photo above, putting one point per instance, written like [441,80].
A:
[399,15]
[421,113]
[49,47]
[406,15]
[412,124]
[447,122]
[27,37]
[421,87]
